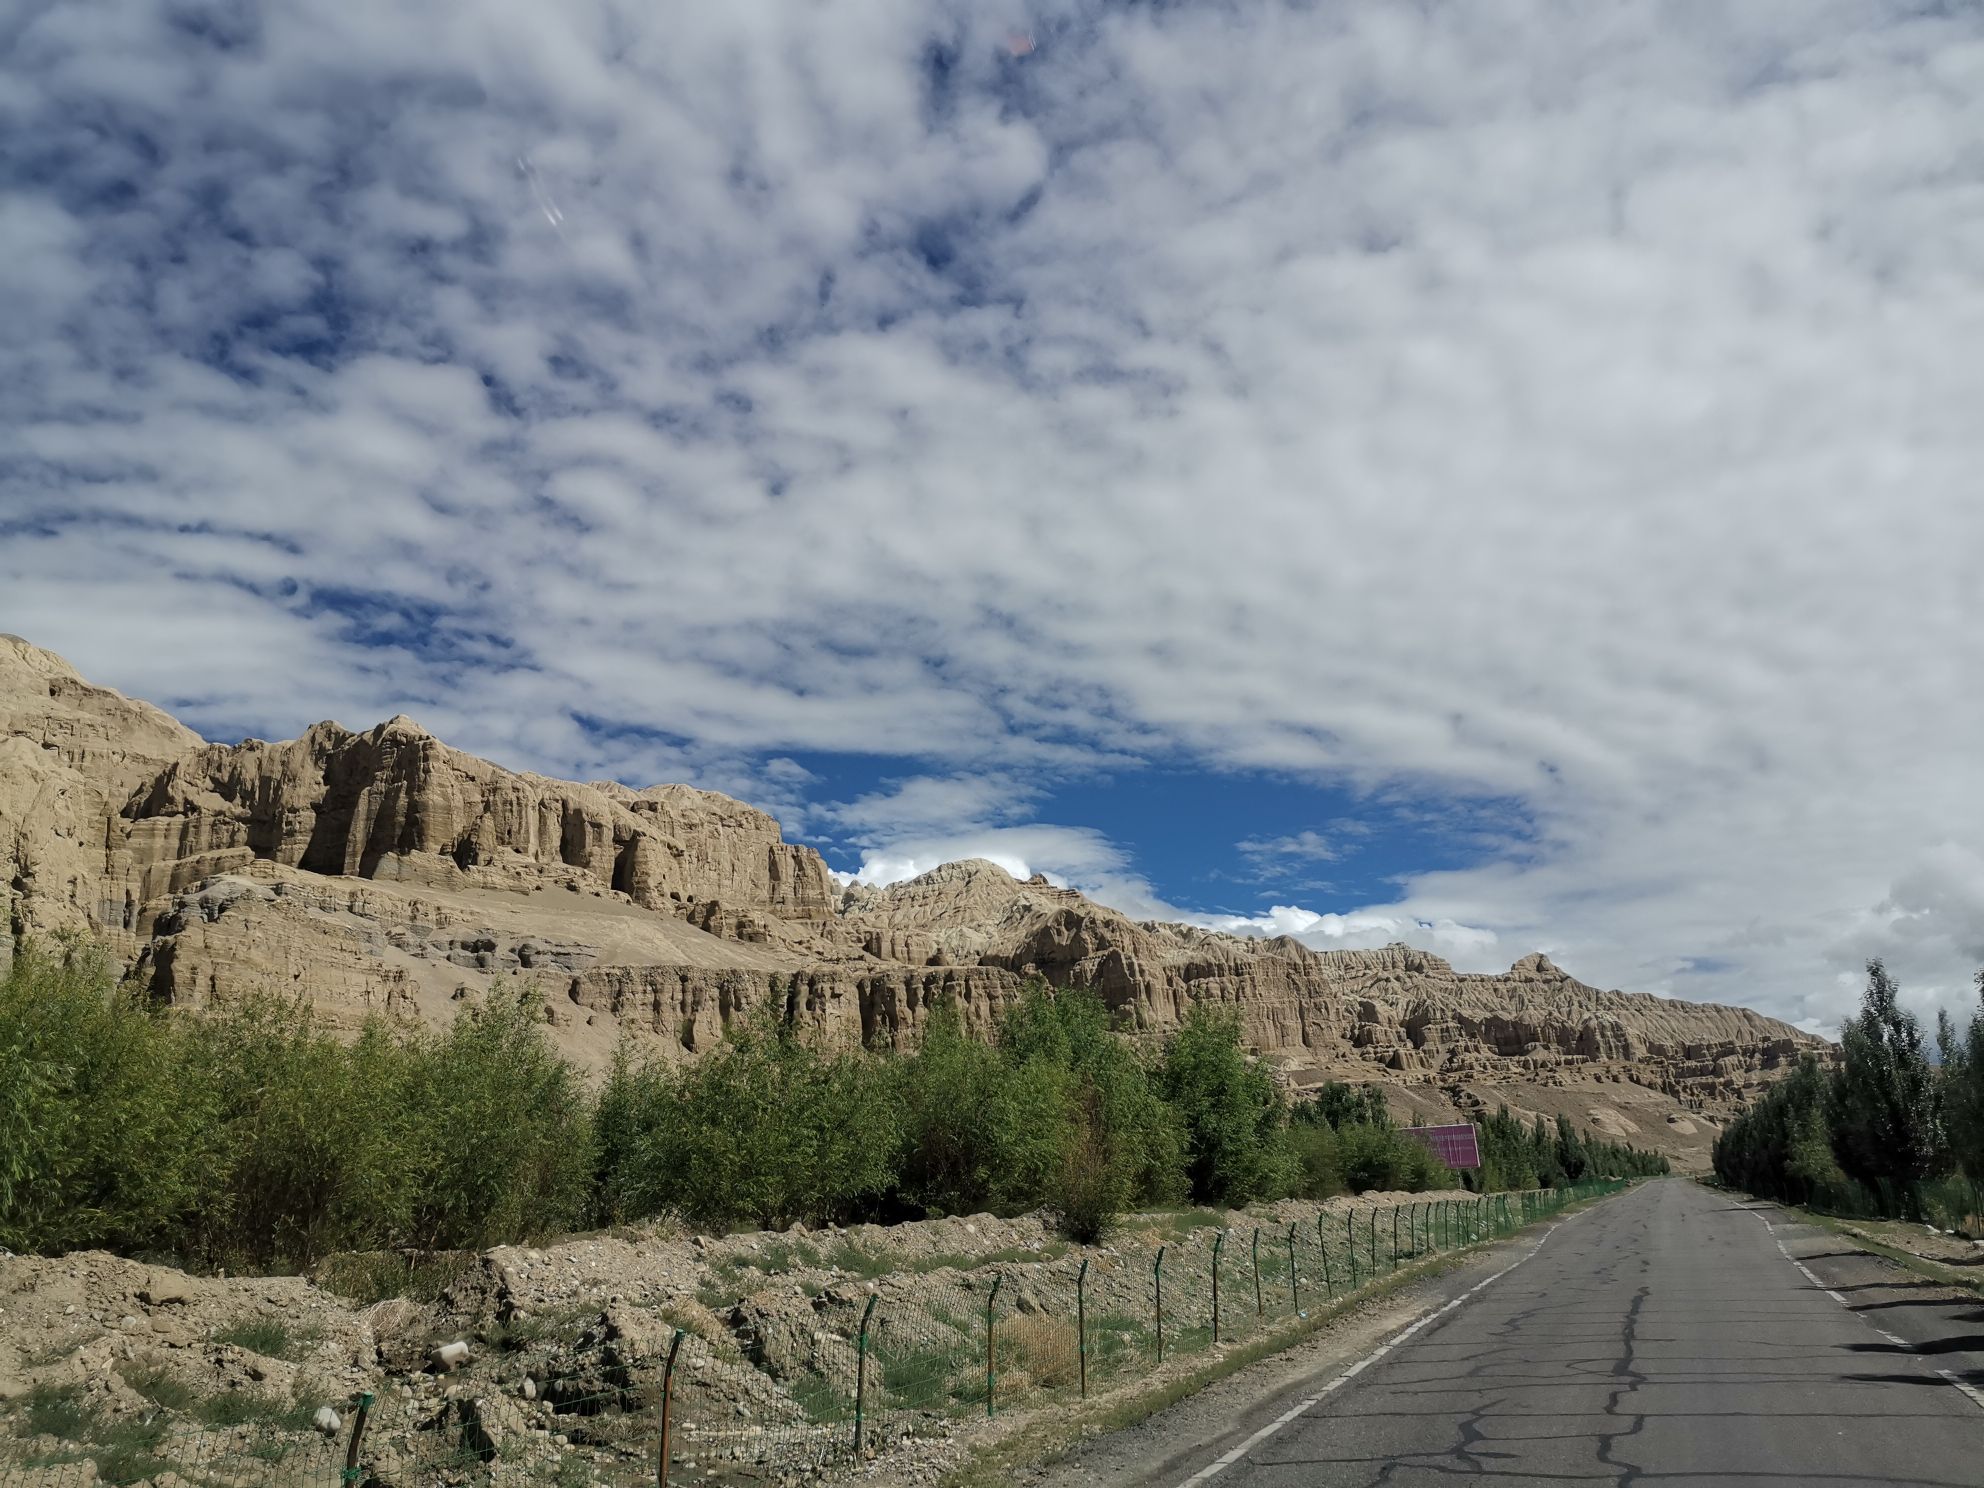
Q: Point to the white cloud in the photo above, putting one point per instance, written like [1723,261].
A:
[1575,406]
[1068,856]
[1271,853]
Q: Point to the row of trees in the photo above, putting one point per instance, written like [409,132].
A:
[1876,1132]
[1547,1155]
[254,1137]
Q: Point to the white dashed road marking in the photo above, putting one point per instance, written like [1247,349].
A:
[1975,1395]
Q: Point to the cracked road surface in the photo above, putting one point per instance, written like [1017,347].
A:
[1661,1337]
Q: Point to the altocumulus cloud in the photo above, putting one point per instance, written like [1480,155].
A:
[1572,405]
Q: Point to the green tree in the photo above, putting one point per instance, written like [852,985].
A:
[766,1128]
[112,1136]
[1571,1160]
[1963,1091]
[1888,1130]
[1139,1134]
[950,1088]
[1230,1111]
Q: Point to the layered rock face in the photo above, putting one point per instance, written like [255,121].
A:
[383,873]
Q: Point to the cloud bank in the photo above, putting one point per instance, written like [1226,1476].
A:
[1568,405]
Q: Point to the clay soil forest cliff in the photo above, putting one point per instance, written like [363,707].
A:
[383,872]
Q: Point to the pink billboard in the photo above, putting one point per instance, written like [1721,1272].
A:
[1455,1146]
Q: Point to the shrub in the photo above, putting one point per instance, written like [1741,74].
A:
[1229,1109]
[1317,1162]
[1092,1187]
[499,1129]
[110,1136]
[766,1129]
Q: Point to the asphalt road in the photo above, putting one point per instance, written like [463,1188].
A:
[1667,1336]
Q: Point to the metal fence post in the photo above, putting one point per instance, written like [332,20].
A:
[991,1349]
[861,1371]
[1323,1249]
[1374,1239]
[1394,1237]
[1259,1310]
[1081,1322]
[1350,1236]
[351,1473]
[1218,1244]
[1157,1274]
[662,1453]
[1294,1281]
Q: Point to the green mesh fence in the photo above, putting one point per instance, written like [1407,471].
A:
[813,1382]
[1954,1205]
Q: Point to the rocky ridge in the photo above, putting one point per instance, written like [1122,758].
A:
[385,872]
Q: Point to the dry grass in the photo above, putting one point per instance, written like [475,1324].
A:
[1043,1348]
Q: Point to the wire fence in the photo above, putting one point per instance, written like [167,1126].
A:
[1954,1205]
[794,1387]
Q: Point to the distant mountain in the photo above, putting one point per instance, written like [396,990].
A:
[384,872]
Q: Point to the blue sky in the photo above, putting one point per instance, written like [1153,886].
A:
[1496,475]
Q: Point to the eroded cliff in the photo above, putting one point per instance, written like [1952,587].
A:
[382,872]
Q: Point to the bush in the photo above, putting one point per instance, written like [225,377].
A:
[1092,1187]
[1318,1163]
[766,1129]
[110,1134]
[498,1126]
[1229,1109]
[250,1136]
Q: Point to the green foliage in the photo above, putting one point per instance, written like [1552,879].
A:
[1336,1105]
[952,1092]
[1092,1189]
[1865,1137]
[111,1137]
[1057,1111]
[1343,1138]
[1381,1158]
[1885,1119]
[1113,1089]
[1229,1109]
[266,1336]
[1963,1092]
[1314,1150]
[252,1137]
[766,1129]
[500,1129]
[1508,1158]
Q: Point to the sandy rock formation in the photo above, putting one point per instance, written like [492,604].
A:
[384,873]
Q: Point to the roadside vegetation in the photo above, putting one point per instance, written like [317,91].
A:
[251,1137]
[1887,1132]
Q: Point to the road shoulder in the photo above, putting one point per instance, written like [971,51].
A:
[1911,1308]
[1166,1441]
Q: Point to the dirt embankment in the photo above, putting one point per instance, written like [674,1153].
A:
[546,1362]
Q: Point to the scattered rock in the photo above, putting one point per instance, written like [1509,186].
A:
[166,1288]
[487,1422]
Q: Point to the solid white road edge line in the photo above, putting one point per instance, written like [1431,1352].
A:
[1976,1395]
[1215,1468]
